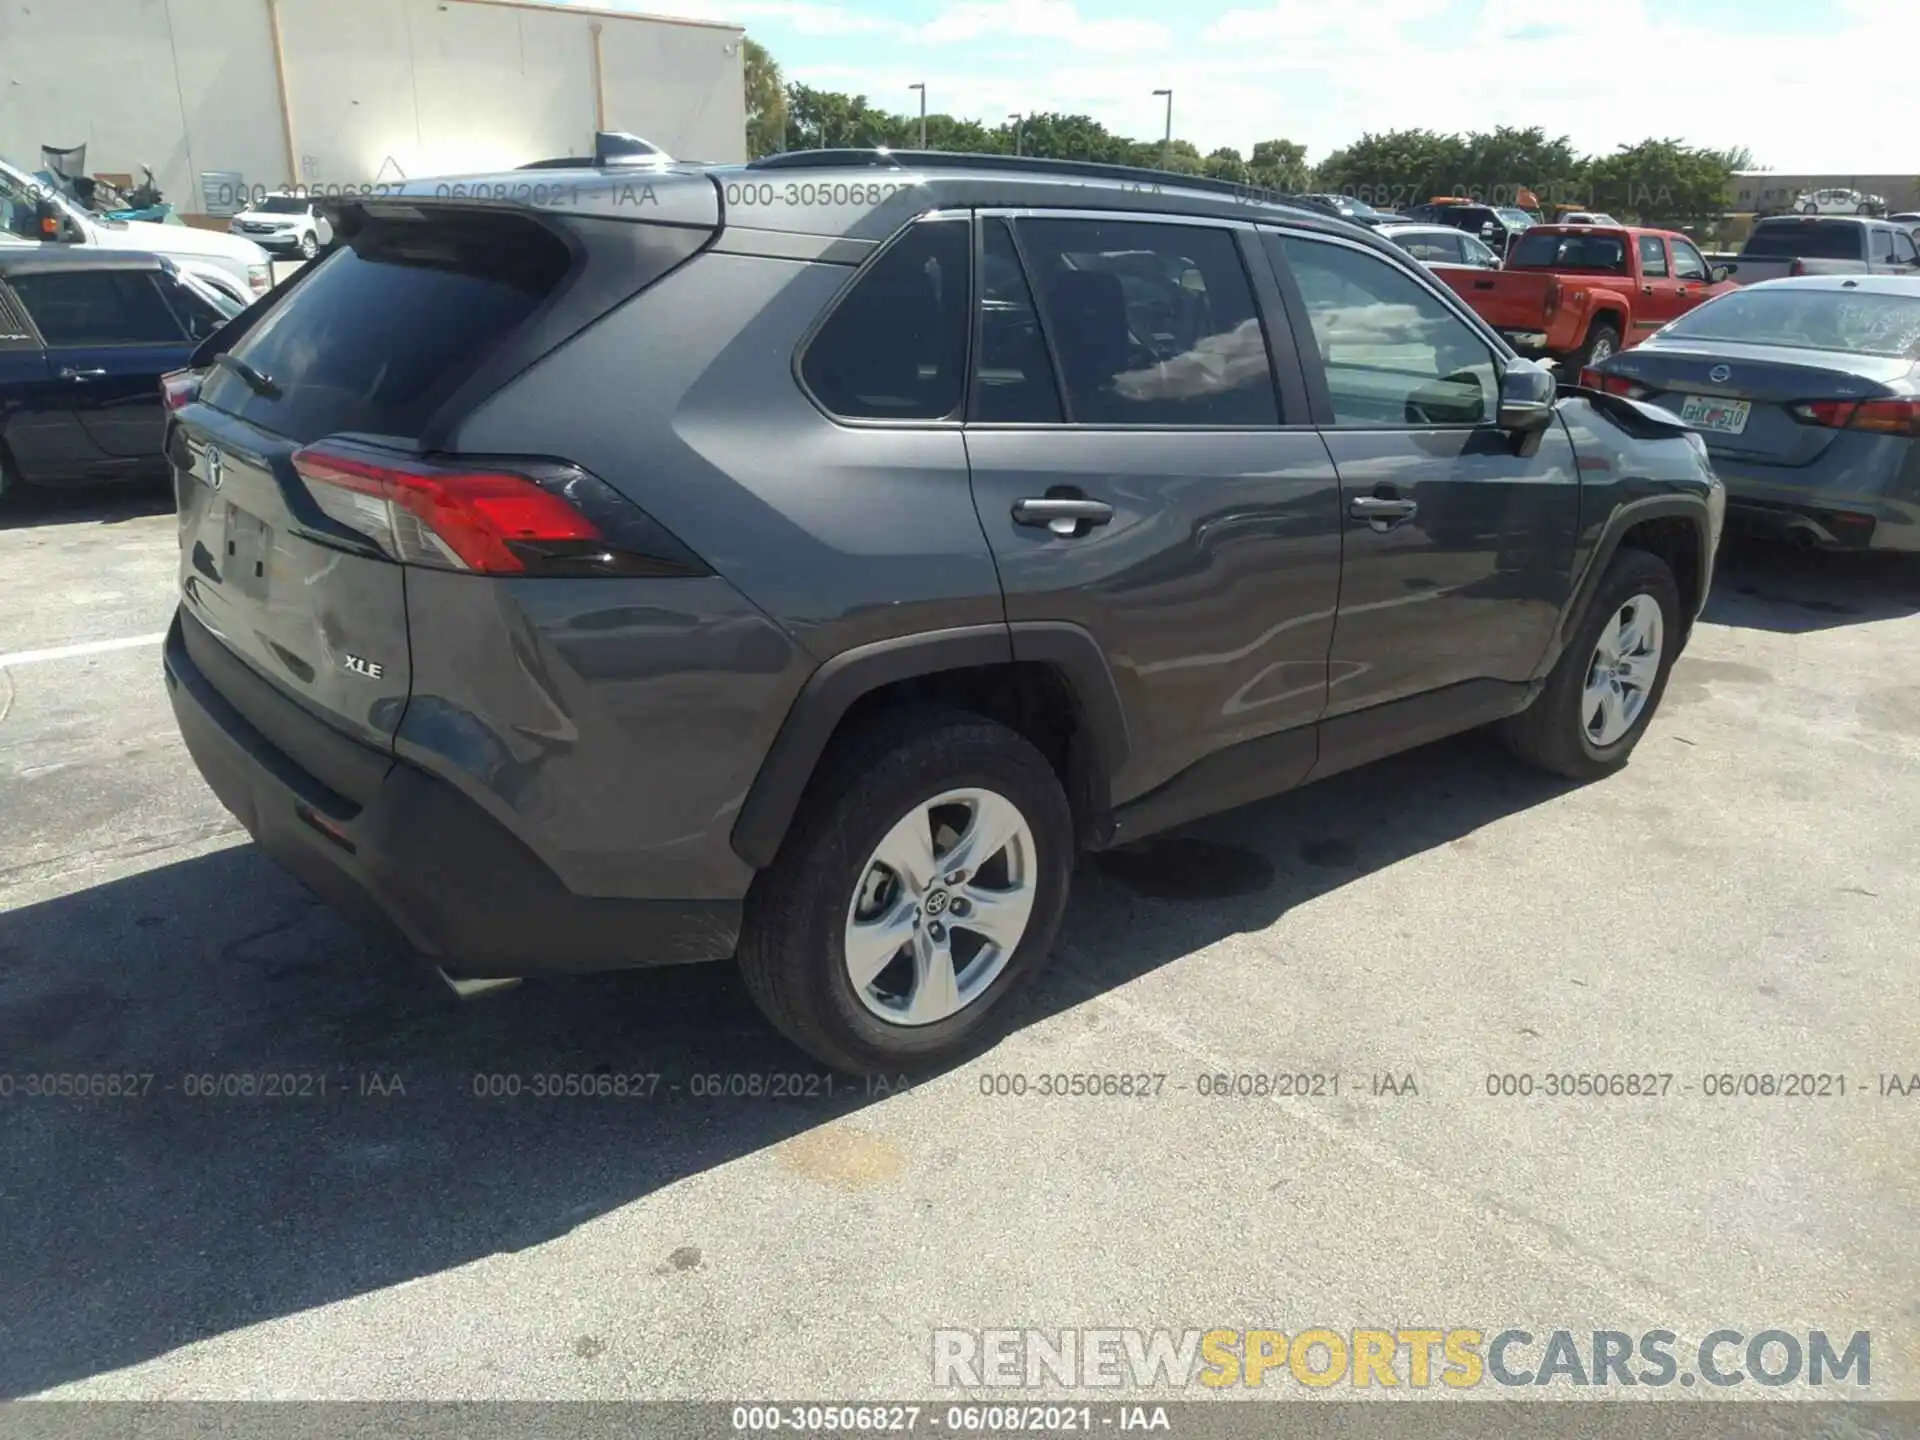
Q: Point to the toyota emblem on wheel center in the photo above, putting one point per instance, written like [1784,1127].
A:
[1718,374]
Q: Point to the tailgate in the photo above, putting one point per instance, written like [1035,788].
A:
[1505,299]
[375,341]
[325,625]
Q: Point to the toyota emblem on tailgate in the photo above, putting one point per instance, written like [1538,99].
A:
[1718,374]
[215,465]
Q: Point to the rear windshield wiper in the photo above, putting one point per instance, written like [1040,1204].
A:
[261,385]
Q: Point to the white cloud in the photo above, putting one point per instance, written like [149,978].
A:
[1054,20]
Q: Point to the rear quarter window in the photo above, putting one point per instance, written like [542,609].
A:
[390,325]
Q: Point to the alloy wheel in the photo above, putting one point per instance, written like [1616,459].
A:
[1621,674]
[941,906]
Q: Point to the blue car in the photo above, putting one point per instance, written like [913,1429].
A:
[85,335]
[1807,393]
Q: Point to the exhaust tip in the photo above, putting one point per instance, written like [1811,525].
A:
[1803,536]
[468,989]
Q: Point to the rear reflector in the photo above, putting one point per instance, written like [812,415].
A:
[179,388]
[505,517]
[1884,417]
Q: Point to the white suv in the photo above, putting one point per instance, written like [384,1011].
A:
[33,209]
[284,222]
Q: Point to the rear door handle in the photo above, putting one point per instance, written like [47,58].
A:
[81,374]
[1382,512]
[1063,515]
[1483,285]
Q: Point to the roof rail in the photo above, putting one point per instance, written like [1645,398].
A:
[1030,164]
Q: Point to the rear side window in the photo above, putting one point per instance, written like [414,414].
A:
[99,307]
[1153,324]
[1805,240]
[391,324]
[895,346]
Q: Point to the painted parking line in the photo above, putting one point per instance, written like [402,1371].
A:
[73,652]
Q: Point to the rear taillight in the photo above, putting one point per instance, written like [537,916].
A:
[1798,267]
[512,517]
[1884,417]
[179,388]
[1612,384]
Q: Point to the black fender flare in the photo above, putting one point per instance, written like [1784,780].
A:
[840,682]
[1634,512]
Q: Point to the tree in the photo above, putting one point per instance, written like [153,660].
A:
[1226,164]
[766,100]
[1663,182]
[1279,165]
[1399,167]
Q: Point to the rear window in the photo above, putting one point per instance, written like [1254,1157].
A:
[391,324]
[1842,320]
[1805,240]
[1536,251]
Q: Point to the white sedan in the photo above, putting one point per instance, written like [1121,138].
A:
[1838,202]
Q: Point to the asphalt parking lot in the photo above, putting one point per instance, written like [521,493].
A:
[1743,899]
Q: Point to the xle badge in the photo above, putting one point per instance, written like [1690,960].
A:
[371,669]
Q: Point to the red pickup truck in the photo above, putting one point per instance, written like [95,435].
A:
[1577,293]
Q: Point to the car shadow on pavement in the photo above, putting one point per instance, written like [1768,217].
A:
[1768,585]
[102,504]
[135,1223]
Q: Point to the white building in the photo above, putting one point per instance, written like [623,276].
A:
[262,93]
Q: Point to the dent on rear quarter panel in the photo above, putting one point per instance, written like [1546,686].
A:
[614,725]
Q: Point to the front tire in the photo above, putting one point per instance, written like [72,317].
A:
[309,245]
[922,882]
[1602,693]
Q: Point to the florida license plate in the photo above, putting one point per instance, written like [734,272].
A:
[1723,417]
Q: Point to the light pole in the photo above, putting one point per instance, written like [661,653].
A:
[922,88]
[1166,144]
[1017,122]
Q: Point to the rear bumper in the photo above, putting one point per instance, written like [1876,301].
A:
[412,856]
[1810,513]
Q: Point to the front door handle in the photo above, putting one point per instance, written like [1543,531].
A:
[81,374]
[1063,515]
[1382,512]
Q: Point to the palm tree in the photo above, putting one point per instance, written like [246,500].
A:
[766,101]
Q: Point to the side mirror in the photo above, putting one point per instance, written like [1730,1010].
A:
[1719,273]
[1527,392]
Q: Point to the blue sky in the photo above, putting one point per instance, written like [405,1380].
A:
[1808,85]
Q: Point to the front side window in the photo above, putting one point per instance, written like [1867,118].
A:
[1477,254]
[1903,249]
[98,307]
[1882,246]
[1653,257]
[894,346]
[1395,355]
[1688,263]
[1152,324]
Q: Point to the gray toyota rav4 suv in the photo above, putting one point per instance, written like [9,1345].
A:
[803,561]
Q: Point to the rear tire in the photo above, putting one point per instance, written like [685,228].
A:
[830,903]
[1603,341]
[1558,731]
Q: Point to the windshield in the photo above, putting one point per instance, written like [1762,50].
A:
[1517,217]
[283,205]
[1840,320]
[1570,252]
[1806,240]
